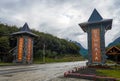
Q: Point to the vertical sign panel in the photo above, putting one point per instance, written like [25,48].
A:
[20,48]
[96,51]
[29,49]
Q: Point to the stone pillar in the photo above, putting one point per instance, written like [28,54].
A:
[95,28]
[24,49]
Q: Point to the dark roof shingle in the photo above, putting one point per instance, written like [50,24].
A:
[25,30]
[96,18]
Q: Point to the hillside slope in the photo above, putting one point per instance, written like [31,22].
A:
[54,46]
[83,51]
[115,42]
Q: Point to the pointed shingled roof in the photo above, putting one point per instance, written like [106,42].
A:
[25,30]
[94,19]
[95,16]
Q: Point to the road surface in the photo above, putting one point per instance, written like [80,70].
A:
[39,72]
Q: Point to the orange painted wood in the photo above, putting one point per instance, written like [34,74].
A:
[20,48]
[29,49]
[96,50]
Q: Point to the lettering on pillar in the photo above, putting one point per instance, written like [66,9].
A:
[29,49]
[96,53]
[20,48]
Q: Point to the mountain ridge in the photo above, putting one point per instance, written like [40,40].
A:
[115,42]
[83,51]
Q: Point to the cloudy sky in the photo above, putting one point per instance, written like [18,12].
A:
[60,17]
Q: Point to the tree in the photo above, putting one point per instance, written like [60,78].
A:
[54,46]
[4,44]
[4,47]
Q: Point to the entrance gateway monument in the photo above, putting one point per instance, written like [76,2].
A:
[96,28]
[24,50]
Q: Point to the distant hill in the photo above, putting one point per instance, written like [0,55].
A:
[115,42]
[83,51]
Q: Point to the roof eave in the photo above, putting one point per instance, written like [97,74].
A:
[21,33]
[107,22]
[83,26]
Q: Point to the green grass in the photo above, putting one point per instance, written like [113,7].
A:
[68,58]
[6,64]
[109,72]
[62,59]
[113,72]
[110,62]
[116,67]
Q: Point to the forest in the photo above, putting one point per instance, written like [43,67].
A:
[54,47]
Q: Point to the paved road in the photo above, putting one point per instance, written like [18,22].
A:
[37,72]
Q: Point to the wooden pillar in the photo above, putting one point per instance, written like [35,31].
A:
[24,50]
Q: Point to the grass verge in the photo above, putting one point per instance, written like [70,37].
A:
[68,58]
[62,59]
[6,64]
[109,73]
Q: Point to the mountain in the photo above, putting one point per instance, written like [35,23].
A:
[115,42]
[83,51]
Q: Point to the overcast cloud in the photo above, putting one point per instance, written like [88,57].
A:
[60,17]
